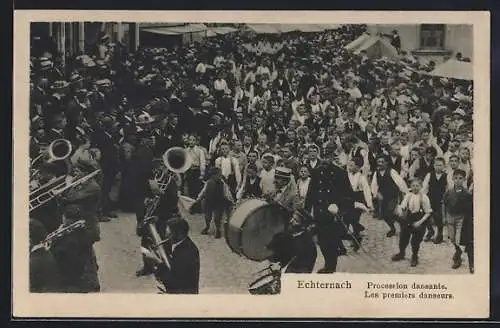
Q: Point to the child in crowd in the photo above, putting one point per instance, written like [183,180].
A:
[418,209]
[457,204]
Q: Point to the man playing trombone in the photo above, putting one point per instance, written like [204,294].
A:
[77,258]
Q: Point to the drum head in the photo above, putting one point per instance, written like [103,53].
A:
[259,226]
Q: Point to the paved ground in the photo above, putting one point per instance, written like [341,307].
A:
[225,272]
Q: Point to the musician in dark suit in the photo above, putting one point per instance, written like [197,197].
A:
[106,143]
[183,274]
[77,258]
[44,272]
[294,250]
[142,168]
[330,194]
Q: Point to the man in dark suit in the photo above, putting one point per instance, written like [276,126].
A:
[330,195]
[182,274]
[281,83]
[106,143]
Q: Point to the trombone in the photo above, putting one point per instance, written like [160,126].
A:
[176,160]
[58,188]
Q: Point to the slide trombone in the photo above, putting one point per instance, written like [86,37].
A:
[60,185]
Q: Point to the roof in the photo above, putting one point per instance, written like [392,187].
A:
[176,30]
[285,28]
[454,69]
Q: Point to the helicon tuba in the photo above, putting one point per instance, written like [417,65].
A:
[176,160]
[58,150]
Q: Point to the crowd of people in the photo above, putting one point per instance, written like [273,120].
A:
[251,118]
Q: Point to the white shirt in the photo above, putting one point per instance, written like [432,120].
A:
[360,183]
[201,68]
[303,186]
[267,181]
[416,202]
[313,163]
[400,183]
[226,164]
[220,84]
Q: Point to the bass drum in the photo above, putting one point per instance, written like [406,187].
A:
[252,226]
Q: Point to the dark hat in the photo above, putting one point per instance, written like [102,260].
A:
[75,78]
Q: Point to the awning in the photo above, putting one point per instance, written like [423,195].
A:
[286,28]
[214,31]
[354,45]
[176,30]
[264,28]
[454,69]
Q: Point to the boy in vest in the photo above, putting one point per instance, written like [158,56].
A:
[387,187]
[456,201]
[216,201]
[230,168]
[418,208]
[424,165]
[251,185]
[362,197]
[435,185]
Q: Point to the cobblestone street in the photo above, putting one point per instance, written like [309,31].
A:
[223,271]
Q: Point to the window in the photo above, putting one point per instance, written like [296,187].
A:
[432,36]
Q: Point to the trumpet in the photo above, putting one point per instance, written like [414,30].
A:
[176,160]
[61,232]
[58,186]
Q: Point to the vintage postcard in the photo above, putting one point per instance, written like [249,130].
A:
[211,164]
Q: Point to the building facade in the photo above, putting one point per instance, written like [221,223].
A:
[71,38]
[432,41]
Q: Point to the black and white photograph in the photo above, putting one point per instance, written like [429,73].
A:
[214,158]
[251,164]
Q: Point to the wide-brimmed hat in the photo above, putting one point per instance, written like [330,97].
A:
[44,63]
[103,83]
[59,85]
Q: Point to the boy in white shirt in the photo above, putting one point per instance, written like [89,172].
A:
[418,208]
[362,197]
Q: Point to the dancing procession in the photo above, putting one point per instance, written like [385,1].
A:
[298,149]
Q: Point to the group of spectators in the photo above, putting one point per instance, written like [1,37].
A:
[248,104]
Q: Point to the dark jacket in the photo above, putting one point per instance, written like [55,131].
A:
[44,272]
[305,254]
[329,185]
[184,275]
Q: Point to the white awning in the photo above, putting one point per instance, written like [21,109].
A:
[176,30]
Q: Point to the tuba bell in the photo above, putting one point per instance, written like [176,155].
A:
[177,160]
[59,150]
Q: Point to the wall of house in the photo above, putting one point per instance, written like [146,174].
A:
[458,38]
